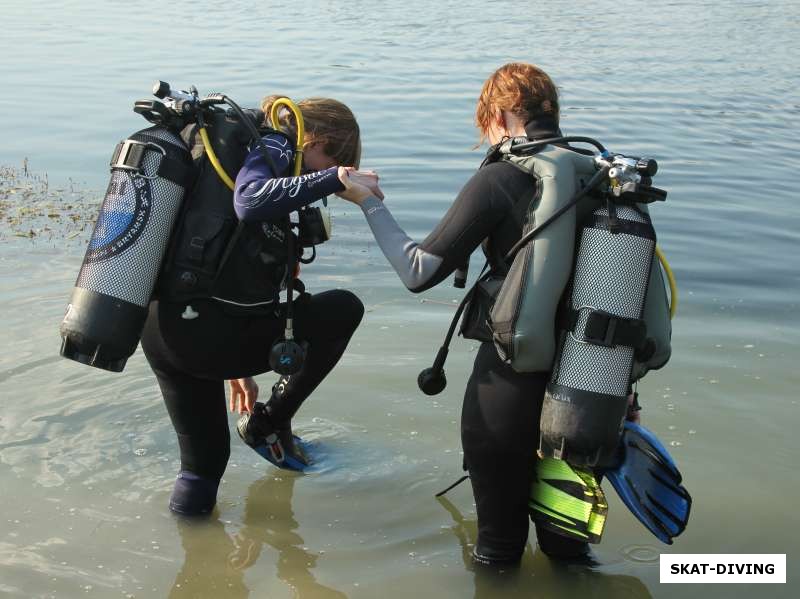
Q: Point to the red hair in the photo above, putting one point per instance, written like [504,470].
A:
[520,88]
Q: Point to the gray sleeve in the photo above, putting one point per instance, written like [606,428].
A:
[413,265]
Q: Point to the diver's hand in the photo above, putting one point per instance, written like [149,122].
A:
[369,179]
[359,185]
[244,393]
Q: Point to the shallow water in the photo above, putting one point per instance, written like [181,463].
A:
[87,458]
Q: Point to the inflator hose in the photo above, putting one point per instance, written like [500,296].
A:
[301,131]
[214,160]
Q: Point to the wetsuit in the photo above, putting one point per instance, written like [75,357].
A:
[193,350]
[500,416]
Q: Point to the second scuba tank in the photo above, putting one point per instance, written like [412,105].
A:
[586,400]
[105,316]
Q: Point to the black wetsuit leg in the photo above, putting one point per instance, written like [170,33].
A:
[499,429]
[192,359]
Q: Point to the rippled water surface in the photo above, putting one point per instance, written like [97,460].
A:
[87,458]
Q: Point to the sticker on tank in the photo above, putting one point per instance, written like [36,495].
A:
[122,220]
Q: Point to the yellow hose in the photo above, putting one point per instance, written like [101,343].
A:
[673,287]
[301,132]
[214,160]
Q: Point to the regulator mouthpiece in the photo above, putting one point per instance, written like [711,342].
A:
[432,381]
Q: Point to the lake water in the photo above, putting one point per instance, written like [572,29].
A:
[87,458]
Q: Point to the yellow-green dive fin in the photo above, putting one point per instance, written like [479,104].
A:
[568,500]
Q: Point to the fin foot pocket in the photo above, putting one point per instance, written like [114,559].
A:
[273,442]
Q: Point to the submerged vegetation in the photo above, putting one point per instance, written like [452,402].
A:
[31,208]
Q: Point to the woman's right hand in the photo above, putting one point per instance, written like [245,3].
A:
[358,185]
[244,393]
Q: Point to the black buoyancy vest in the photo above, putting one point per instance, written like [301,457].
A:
[212,254]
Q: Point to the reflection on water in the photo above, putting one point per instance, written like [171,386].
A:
[207,568]
[537,574]
[216,561]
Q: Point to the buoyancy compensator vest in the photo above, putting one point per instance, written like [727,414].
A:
[582,297]
[525,308]
[213,254]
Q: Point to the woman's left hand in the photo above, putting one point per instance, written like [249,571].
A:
[244,393]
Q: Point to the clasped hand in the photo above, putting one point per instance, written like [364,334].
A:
[358,185]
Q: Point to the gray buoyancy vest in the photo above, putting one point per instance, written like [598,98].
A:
[524,315]
[659,325]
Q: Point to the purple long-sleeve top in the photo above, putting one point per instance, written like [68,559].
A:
[261,195]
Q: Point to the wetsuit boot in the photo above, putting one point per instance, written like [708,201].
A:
[193,495]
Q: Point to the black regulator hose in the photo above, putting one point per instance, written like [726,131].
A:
[596,179]
[287,356]
[247,122]
[562,140]
[432,381]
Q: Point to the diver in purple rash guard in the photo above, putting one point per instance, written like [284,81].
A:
[227,334]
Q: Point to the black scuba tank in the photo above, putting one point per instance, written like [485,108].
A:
[586,399]
[104,319]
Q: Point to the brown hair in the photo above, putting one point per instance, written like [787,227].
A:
[327,121]
[520,88]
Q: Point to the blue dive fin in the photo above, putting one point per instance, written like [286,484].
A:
[649,483]
[275,453]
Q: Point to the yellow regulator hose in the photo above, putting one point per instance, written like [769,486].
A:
[301,131]
[214,160]
[673,287]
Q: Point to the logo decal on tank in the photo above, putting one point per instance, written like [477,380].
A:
[123,217]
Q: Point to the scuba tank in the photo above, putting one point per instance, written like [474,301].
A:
[150,174]
[104,319]
[585,401]
[602,326]
[614,324]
